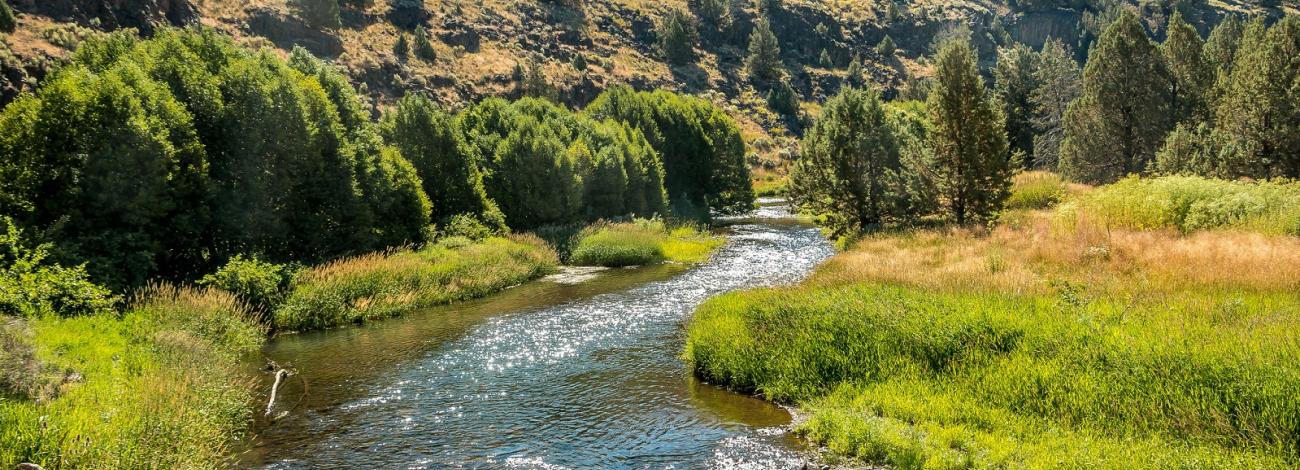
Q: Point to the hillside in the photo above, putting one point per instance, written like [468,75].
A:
[485,48]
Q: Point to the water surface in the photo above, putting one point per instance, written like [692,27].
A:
[545,375]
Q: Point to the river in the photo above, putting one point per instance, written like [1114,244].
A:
[546,375]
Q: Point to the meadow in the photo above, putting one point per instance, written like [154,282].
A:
[641,242]
[1067,336]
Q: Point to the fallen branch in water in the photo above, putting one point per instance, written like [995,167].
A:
[279,374]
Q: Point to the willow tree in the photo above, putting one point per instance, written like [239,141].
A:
[446,163]
[968,137]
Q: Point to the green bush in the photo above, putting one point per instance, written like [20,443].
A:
[1189,203]
[8,23]
[465,226]
[260,284]
[32,287]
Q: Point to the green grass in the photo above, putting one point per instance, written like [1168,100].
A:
[1189,203]
[1036,190]
[918,378]
[385,285]
[155,388]
[641,242]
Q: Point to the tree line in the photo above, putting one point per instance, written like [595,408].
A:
[168,156]
[1227,106]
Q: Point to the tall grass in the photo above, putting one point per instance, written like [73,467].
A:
[384,285]
[1189,203]
[640,242]
[155,388]
[1036,190]
[1031,345]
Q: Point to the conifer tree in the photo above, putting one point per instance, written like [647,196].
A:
[968,139]
[854,72]
[849,168]
[1259,111]
[678,37]
[1122,116]
[8,22]
[1014,81]
[1058,82]
[783,99]
[1189,75]
[423,47]
[1221,47]
[824,59]
[886,47]
[402,47]
[713,12]
[764,61]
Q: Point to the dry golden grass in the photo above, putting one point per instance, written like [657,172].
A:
[1026,256]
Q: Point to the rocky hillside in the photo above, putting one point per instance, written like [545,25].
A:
[488,47]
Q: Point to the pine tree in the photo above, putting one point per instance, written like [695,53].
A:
[764,61]
[713,12]
[402,48]
[1221,47]
[1014,81]
[968,140]
[1189,76]
[1259,111]
[849,167]
[783,99]
[1122,116]
[854,72]
[1058,85]
[423,46]
[824,59]
[886,47]
[678,37]
[8,22]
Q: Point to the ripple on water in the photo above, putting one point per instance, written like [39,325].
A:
[592,383]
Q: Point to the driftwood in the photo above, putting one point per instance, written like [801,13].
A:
[279,374]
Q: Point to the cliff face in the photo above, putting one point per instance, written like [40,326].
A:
[143,15]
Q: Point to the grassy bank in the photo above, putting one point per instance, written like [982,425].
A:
[1038,343]
[156,387]
[383,285]
[641,242]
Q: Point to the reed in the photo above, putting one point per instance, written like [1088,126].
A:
[381,285]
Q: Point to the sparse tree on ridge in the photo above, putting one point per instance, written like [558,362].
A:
[764,61]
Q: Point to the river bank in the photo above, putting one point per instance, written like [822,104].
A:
[1056,337]
[560,374]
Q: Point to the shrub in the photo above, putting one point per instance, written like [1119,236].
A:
[466,226]
[22,375]
[259,284]
[32,287]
